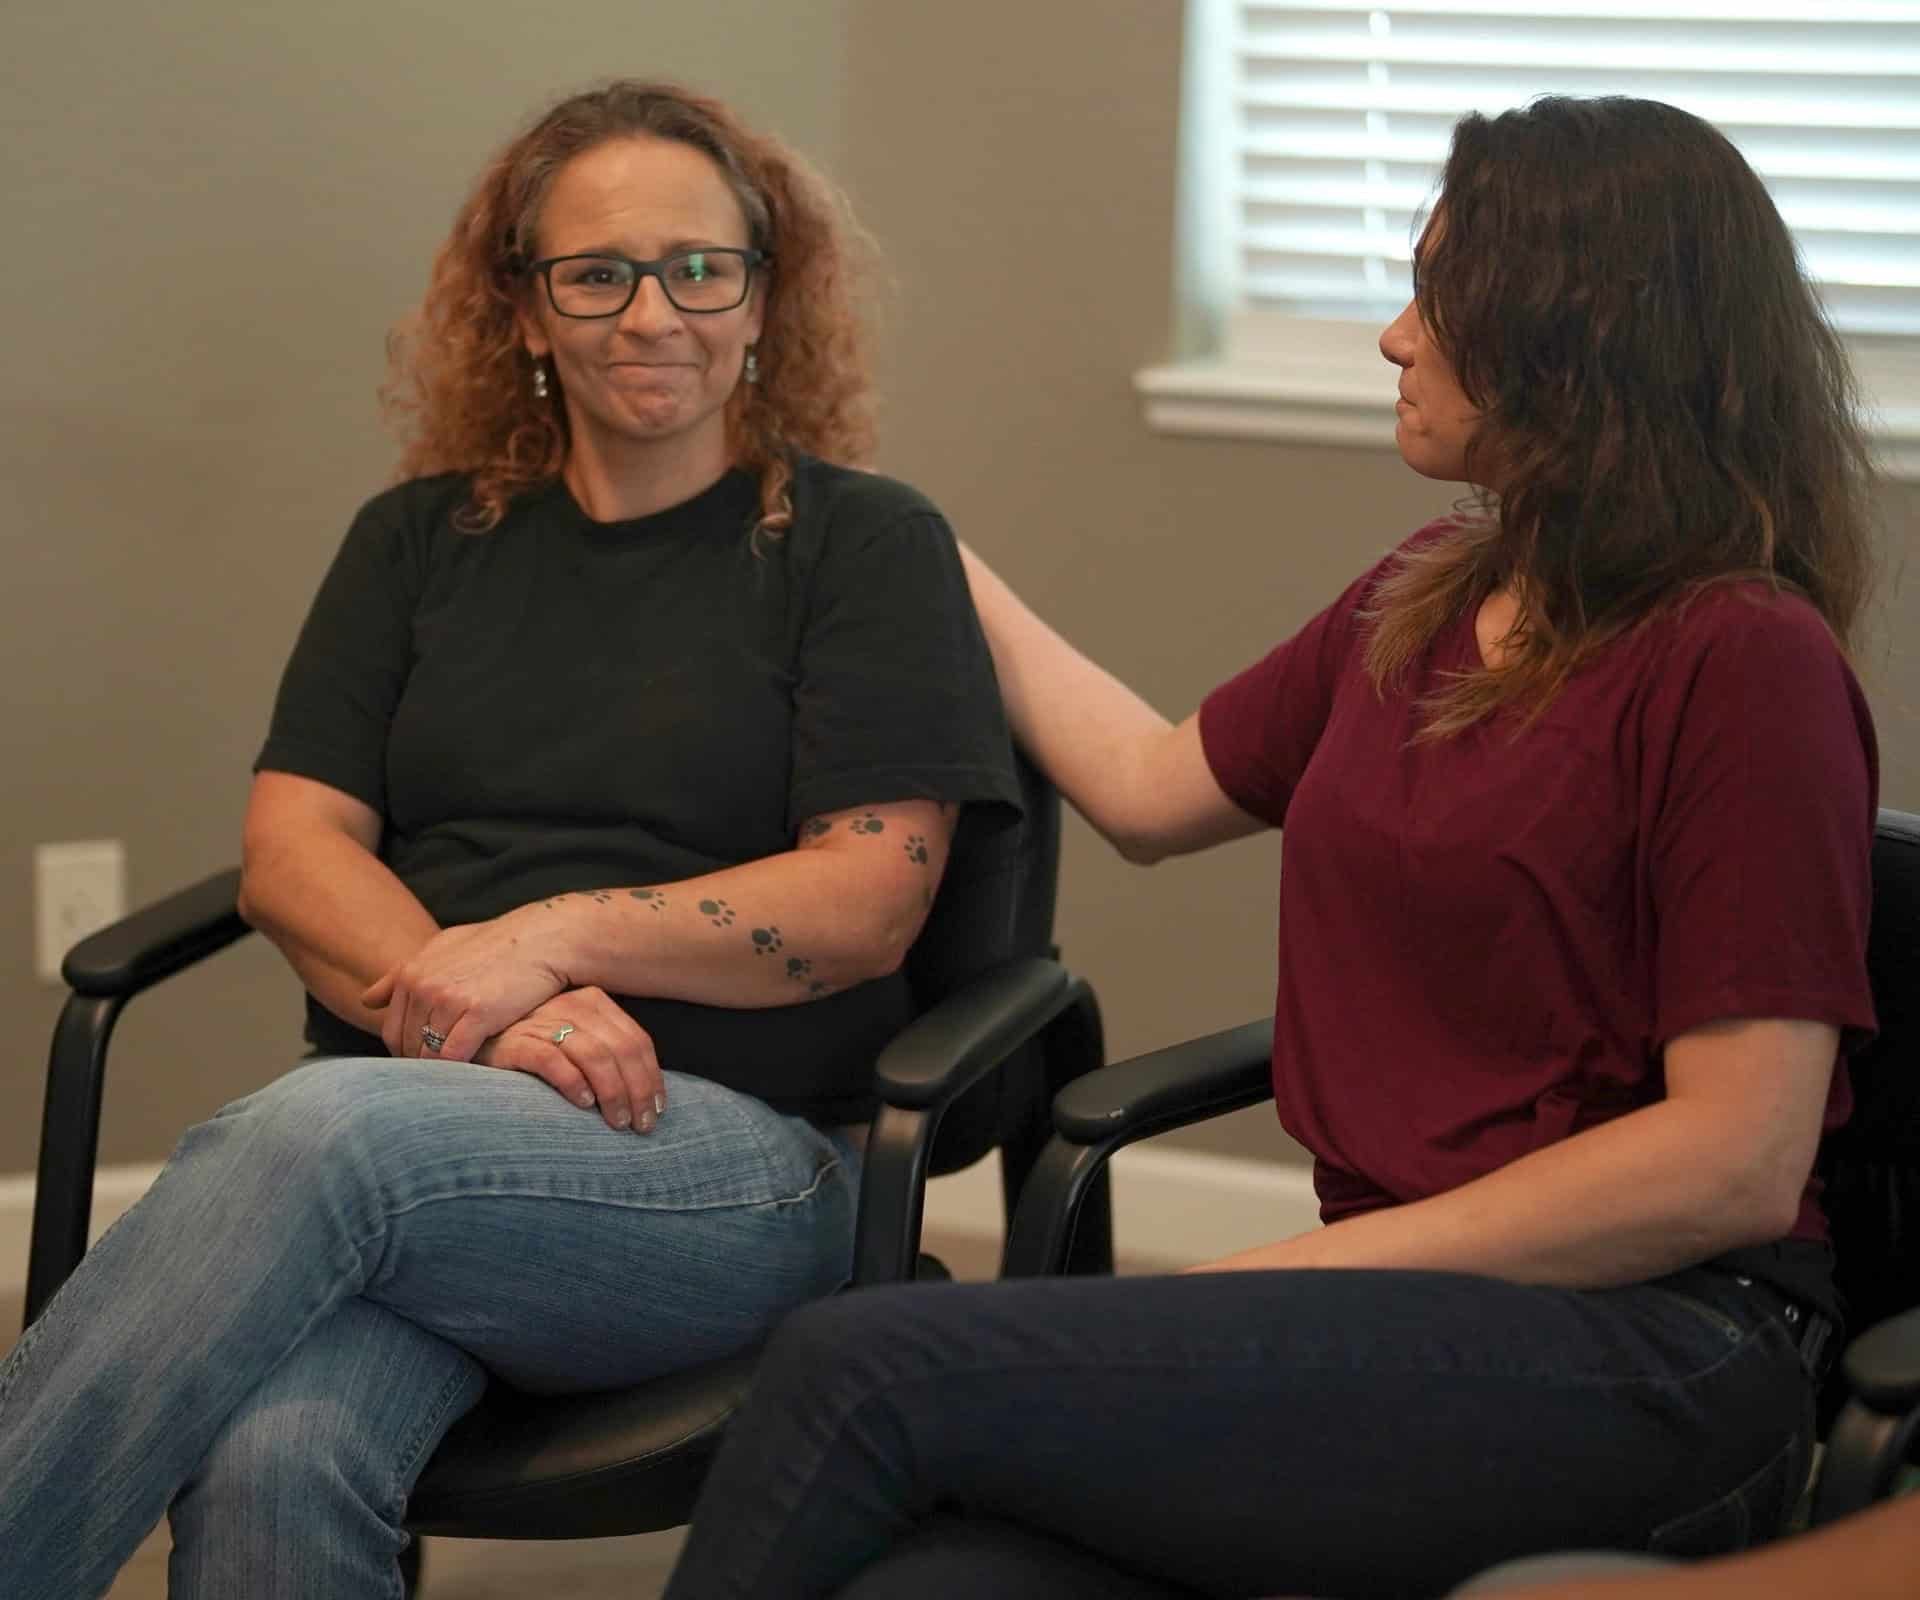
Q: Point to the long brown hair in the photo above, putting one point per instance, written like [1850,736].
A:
[1664,403]
[459,387]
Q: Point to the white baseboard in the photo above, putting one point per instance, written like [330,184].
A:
[1171,1207]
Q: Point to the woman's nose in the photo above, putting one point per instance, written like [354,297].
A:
[650,313]
[1396,338]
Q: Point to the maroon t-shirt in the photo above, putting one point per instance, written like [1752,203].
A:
[1487,941]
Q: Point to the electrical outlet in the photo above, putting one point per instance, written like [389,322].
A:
[78,889]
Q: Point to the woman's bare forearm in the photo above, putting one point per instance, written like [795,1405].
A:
[841,908]
[335,911]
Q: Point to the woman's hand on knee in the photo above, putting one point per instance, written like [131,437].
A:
[464,986]
[582,1045]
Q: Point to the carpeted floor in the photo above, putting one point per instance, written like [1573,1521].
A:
[465,1569]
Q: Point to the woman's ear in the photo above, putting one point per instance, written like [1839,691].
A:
[532,335]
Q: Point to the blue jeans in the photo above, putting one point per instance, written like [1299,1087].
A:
[271,1343]
[1329,1433]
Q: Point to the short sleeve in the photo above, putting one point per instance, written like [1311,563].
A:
[1760,863]
[1259,728]
[350,663]
[896,697]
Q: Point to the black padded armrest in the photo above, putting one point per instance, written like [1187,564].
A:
[1882,1366]
[158,940]
[1171,1088]
[950,1045]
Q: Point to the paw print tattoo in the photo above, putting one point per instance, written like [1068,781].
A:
[798,968]
[719,911]
[917,848]
[600,897]
[653,899]
[868,824]
[817,987]
[816,827]
[766,940]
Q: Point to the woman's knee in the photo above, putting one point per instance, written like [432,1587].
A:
[323,1110]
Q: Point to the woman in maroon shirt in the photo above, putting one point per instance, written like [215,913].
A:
[1578,790]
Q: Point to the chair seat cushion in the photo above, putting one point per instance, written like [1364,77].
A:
[582,1466]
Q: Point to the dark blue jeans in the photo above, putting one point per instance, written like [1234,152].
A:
[1326,1433]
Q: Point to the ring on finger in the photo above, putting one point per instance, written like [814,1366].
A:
[431,1037]
[559,1034]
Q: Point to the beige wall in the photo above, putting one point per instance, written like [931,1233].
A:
[180,453]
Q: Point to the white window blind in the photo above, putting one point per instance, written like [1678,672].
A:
[1313,134]
[1336,118]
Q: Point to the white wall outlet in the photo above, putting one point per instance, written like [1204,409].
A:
[78,889]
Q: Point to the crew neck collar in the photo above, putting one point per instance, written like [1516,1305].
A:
[728,502]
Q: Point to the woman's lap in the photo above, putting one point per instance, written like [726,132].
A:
[566,1255]
[477,1205]
[1307,1432]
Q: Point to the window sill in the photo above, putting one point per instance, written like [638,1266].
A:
[1320,404]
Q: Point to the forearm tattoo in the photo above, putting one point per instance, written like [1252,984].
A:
[801,971]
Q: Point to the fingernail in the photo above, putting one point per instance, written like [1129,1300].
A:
[646,1122]
[622,1119]
[585,1097]
[659,1105]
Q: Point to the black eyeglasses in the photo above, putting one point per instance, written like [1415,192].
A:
[699,281]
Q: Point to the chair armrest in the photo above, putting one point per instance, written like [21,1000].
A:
[1104,1111]
[1873,1437]
[159,940]
[1882,1366]
[927,1066]
[1171,1088]
[951,1045]
[105,971]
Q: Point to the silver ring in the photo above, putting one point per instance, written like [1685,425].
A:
[433,1041]
[559,1034]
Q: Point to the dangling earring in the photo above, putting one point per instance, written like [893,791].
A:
[539,381]
[751,371]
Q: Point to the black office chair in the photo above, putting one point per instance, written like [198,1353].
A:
[1870,1405]
[1001,1026]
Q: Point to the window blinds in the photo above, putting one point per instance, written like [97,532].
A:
[1340,113]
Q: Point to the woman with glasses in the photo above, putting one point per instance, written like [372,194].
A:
[611,777]
[1578,793]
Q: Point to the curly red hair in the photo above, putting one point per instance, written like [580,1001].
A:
[459,388]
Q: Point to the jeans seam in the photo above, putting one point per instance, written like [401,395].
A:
[409,1454]
[518,1192]
[388,1215]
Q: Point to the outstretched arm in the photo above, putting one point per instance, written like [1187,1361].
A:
[1141,781]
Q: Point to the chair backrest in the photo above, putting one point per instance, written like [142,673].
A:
[1872,1165]
[995,905]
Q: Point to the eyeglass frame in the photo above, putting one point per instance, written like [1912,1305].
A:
[656,269]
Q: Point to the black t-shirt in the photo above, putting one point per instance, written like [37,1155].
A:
[563,704]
